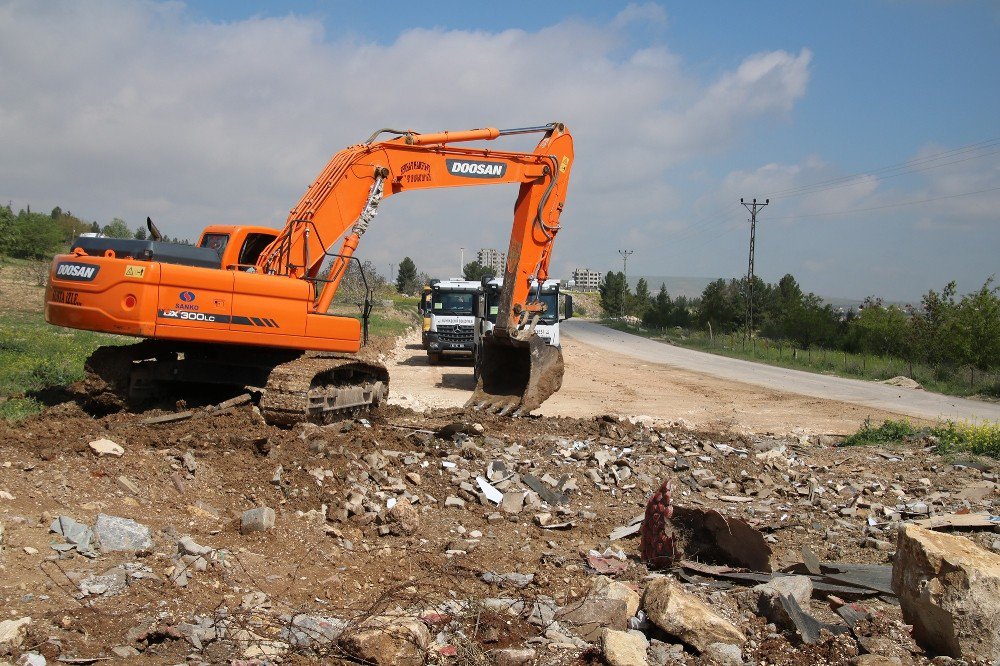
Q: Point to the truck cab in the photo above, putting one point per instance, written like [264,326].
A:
[450,308]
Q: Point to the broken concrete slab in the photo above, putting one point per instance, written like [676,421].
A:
[589,616]
[75,533]
[106,447]
[679,613]
[769,599]
[114,533]
[949,590]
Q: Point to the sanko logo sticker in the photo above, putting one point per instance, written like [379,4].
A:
[471,169]
[187,296]
[77,272]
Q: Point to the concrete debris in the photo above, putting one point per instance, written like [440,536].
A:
[603,587]
[114,533]
[624,648]
[724,654]
[128,484]
[491,493]
[12,633]
[311,630]
[516,580]
[679,613]
[769,603]
[404,519]
[105,447]
[389,640]
[77,535]
[512,656]
[949,590]
[589,616]
[259,519]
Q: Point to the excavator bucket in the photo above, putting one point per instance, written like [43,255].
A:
[516,376]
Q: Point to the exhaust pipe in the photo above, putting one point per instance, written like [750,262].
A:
[516,376]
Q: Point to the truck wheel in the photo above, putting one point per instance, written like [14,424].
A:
[434,359]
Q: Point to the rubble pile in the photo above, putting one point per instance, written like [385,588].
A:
[452,537]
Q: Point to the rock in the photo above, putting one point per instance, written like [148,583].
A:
[769,594]
[949,590]
[77,534]
[589,616]
[260,519]
[606,588]
[513,657]
[105,447]
[456,502]
[508,579]
[724,654]
[128,484]
[312,630]
[12,633]
[125,651]
[32,659]
[403,518]
[389,641]
[687,617]
[623,648]
[512,503]
[114,533]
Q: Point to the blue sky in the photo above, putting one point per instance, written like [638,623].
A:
[223,112]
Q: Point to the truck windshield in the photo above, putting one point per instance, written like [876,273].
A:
[550,299]
[452,303]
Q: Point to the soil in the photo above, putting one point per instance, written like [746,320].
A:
[336,552]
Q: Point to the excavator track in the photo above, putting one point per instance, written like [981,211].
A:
[321,387]
[294,387]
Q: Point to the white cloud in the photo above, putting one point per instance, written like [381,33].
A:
[127,109]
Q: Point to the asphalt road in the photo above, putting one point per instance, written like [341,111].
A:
[913,402]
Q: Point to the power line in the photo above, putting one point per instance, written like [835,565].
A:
[909,166]
[894,205]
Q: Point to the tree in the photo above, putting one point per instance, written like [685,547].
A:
[117,229]
[34,236]
[140,233]
[476,271]
[612,291]
[406,277]
[722,305]
[978,324]
[658,314]
[641,301]
[95,228]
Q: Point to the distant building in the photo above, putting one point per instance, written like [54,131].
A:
[493,259]
[586,279]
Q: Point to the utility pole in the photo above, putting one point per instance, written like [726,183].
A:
[392,272]
[753,208]
[461,263]
[625,255]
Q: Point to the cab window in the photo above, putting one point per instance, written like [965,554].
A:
[215,242]
[253,246]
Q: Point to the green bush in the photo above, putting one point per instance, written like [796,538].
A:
[888,432]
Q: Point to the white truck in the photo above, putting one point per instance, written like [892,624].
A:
[557,308]
[449,308]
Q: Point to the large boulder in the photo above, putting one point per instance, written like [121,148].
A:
[679,613]
[949,590]
[603,587]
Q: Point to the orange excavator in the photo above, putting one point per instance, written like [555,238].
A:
[250,306]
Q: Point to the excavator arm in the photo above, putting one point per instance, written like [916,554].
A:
[341,203]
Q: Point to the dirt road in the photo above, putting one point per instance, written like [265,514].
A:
[599,381]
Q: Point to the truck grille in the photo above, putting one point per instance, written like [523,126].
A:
[455,333]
